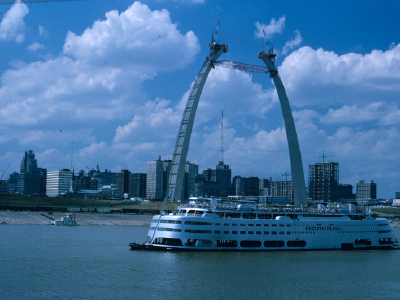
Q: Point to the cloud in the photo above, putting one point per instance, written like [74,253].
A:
[289,45]
[155,118]
[138,37]
[35,46]
[12,27]
[100,73]
[270,29]
[324,77]
[43,32]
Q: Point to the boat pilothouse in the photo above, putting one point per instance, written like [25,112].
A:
[213,226]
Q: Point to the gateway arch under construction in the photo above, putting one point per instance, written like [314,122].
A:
[177,173]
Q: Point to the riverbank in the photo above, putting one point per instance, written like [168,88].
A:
[86,219]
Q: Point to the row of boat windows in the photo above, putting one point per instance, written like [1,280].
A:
[234,224]
[229,243]
[254,243]
[255,232]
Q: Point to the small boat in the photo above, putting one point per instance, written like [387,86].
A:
[68,220]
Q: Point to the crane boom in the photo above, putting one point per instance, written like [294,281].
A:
[241,66]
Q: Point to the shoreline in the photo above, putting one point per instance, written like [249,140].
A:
[86,219]
[83,219]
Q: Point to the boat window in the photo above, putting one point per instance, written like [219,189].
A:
[387,241]
[258,224]
[234,224]
[226,232]
[192,211]
[242,224]
[281,225]
[273,232]
[264,216]
[197,231]
[197,223]
[168,229]
[171,221]
[266,224]
[168,241]
[274,225]
[190,242]
[226,243]
[288,225]
[226,224]
[217,224]
[232,215]
[258,232]
[234,232]
[217,231]
[250,244]
[251,232]
[383,224]
[266,232]
[270,244]
[250,224]
[243,232]
[281,232]
[221,214]
[296,243]
[248,216]
[362,242]
[288,232]
[384,231]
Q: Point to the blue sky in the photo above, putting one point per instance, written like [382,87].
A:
[112,77]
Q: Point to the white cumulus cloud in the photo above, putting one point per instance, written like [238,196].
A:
[12,27]
[289,45]
[35,46]
[270,29]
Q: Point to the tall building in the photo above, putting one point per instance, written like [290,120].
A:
[346,191]
[167,164]
[191,171]
[137,185]
[323,181]
[122,181]
[58,182]
[222,175]
[245,186]
[282,189]
[155,174]
[31,179]
[264,187]
[366,191]
[238,185]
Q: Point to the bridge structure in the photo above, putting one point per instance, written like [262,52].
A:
[177,174]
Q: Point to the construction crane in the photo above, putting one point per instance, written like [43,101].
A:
[4,171]
[286,174]
[241,66]
[214,37]
[323,157]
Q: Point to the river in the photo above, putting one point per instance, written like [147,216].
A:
[93,262]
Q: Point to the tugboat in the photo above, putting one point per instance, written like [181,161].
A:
[68,220]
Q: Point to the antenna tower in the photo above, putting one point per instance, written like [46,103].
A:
[221,156]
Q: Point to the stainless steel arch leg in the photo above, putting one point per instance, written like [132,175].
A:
[182,142]
[296,163]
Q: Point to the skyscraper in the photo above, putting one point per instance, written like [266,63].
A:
[154,186]
[122,182]
[137,185]
[31,179]
[323,181]
[366,191]
[58,182]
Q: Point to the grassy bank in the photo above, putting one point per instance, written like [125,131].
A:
[14,200]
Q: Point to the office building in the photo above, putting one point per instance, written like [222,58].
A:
[155,178]
[283,188]
[122,181]
[58,182]
[31,179]
[137,185]
[323,181]
[366,191]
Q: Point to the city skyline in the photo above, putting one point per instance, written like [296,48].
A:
[119,100]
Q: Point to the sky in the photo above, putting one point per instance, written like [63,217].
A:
[106,81]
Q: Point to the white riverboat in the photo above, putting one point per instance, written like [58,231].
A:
[68,220]
[217,227]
